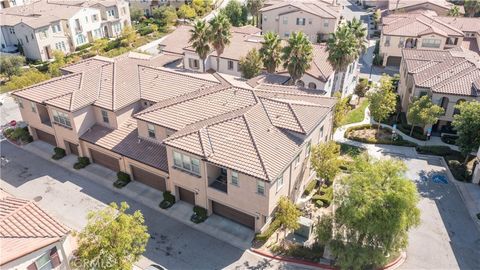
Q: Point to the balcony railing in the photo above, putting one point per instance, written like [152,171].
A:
[219,183]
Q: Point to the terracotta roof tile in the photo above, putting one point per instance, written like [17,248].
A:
[416,25]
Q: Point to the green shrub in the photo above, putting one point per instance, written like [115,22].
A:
[310,186]
[59,153]
[145,30]
[434,150]
[362,87]
[374,140]
[122,180]
[116,43]
[8,132]
[313,253]
[459,171]
[82,163]
[83,47]
[274,226]
[449,139]
[19,134]
[319,203]
[199,214]
[168,200]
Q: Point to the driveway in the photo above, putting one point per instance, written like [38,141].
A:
[69,197]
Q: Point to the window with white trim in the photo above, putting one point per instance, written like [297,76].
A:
[307,148]
[94,17]
[56,28]
[111,12]
[43,34]
[105,116]
[34,107]
[296,161]
[431,43]
[325,23]
[235,178]
[230,65]
[301,21]
[151,131]
[279,182]
[193,63]
[44,262]
[61,118]
[260,187]
[186,163]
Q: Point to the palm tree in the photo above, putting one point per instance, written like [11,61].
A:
[270,51]
[471,7]
[343,49]
[297,55]
[219,35]
[360,32]
[253,7]
[200,40]
[454,11]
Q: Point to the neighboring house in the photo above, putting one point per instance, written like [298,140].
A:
[232,150]
[39,28]
[422,31]
[471,29]
[316,19]
[320,76]
[448,77]
[12,3]
[30,238]
[440,7]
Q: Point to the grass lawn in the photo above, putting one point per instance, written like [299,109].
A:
[356,115]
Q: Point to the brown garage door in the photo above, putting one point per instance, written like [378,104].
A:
[105,160]
[233,214]
[148,178]
[46,137]
[394,61]
[72,147]
[186,195]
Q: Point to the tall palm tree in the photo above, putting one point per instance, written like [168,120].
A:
[253,7]
[471,7]
[297,55]
[360,32]
[219,35]
[342,50]
[454,11]
[271,51]
[200,40]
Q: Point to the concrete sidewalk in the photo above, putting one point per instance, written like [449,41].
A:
[215,226]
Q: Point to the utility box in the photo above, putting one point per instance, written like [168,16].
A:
[306,227]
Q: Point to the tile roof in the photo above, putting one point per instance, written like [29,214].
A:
[108,83]
[416,25]
[177,40]
[320,66]
[452,72]
[318,8]
[25,227]
[465,24]
[396,4]
[125,141]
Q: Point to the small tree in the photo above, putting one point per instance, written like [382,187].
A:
[54,67]
[287,214]
[99,45]
[234,13]
[341,109]
[382,100]
[112,239]
[136,14]
[253,7]
[297,55]
[325,159]
[186,12]
[423,112]
[471,7]
[128,36]
[271,51]
[454,11]
[376,206]
[201,7]
[251,65]
[467,124]
[29,77]
[11,65]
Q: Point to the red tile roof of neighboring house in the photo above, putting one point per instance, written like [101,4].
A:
[318,8]
[24,228]
[416,25]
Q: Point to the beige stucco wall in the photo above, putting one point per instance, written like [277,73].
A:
[84,119]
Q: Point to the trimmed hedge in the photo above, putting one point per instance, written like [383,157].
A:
[83,47]
[435,150]
[449,139]
[122,180]
[373,140]
[168,200]
[82,163]
[274,226]
[310,186]
[59,153]
[199,214]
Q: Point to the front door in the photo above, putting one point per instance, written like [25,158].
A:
[48,51]
[72,147]
[186,195]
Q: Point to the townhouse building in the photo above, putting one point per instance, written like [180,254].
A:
[31,239]
[12,3]
[317,19]
[39,28]
[232,150]
[422,31]
[448,77]
[440,7]
[320,76]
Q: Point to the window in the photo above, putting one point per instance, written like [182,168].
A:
[431,43]
[280,182]
[26,38]
[235,178]
[230,65]
[310,21]
[452,41]
[387,41]
[43,34]
[34,107]
[33,36]
[423,93]
[286,34]
[193,63]
[111,12]
[80,39]
[264,18]
[321,133]
[307,149]
[117,27]
[325,23]
[285,20]
[60,46]
[61,118]
[312,85]
[401,43]
[300,21]
[20,103]
[296,161]
[105,116]
[151,130]
[260,187]
[56,28]
[44,262]
[94,17]
[124,10]
[14,2]
[186,163]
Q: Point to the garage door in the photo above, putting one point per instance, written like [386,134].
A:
[72,147]
[105,160]
[46,137]
[233,214]
[148,178]
[394,61]
[186,195]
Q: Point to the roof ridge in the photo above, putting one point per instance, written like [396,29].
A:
[296,118]
[82,79]
[113,85]
[177,73]
[23,201]
[255,146]
[457,77]
[49,81]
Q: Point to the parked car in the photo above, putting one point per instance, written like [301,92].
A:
[155,267]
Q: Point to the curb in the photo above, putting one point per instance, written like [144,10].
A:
[391,266]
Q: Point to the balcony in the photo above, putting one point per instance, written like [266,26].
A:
[411,43]
[217,178]
[43,114]
[78,29]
